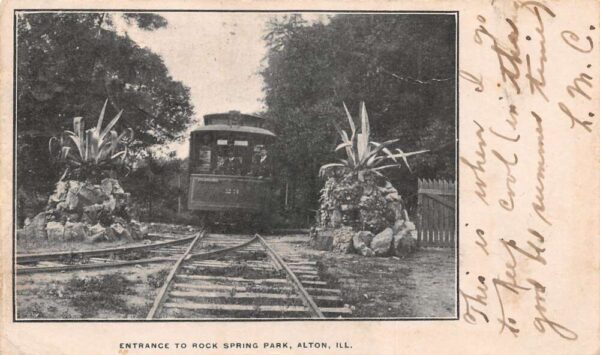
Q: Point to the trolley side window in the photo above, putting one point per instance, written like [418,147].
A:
[261,162]
[202,153]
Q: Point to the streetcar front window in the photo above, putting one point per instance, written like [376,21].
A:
[230,159]
[236,155]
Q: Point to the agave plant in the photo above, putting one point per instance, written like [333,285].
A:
[364,155]
[87,153]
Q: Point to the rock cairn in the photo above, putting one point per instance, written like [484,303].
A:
[383,227]
[87,212]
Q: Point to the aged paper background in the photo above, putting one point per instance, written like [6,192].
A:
[529,197]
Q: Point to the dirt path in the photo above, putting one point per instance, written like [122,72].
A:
[420,285]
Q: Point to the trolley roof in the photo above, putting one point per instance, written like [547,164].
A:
[240,129]
[234,121]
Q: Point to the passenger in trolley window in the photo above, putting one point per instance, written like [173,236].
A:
[261,165]
[229,163]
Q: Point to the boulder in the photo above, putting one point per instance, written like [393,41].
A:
[72,200]
[388,188]
[389,192]
[89,194]
[122,200]
[38,224]
[36,228]
[120,232]
[110,234]
[91,213]
[366,251]
[398,209]
[61,206]
[79,210]
[361,242]
[392,197]
[73,217]
[117,189]
[97,233]
[404,246]
[138,231]
[55,231]
[398,225]
[110,204]
[107,186]
[362,239]
[342,240]
[59,192]
[405,239]
[75,231]
[382,242]
[117,227]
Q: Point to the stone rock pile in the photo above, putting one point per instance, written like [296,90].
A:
[83,211]
[399,240]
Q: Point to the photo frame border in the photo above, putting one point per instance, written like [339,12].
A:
[456,14]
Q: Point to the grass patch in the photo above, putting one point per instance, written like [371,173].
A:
[91,295]
[34,310]
[158,279]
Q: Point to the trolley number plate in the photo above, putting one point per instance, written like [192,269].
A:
[232,191]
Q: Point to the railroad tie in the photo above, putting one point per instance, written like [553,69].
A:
[233,277]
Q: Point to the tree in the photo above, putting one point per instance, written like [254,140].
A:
[402,66]
[68,64]
[159,187]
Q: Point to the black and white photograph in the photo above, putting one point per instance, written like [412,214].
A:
[185,165]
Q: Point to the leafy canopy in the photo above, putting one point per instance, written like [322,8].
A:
[401,65]
[68,64]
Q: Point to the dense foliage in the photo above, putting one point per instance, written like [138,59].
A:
[67,65]
[159,188]
[402,66]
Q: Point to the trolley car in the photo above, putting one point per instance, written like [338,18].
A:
[230,169]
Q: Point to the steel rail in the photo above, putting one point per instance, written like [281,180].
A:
[162,294]
[207,255]
[27,258]
[42,269]
[304,295]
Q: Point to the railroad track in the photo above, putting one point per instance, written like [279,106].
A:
[220,276]
[162,247]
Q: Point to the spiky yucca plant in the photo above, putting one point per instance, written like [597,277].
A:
[362,154]
[355,188]
[86,154]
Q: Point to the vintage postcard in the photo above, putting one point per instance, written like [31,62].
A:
[324,177]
